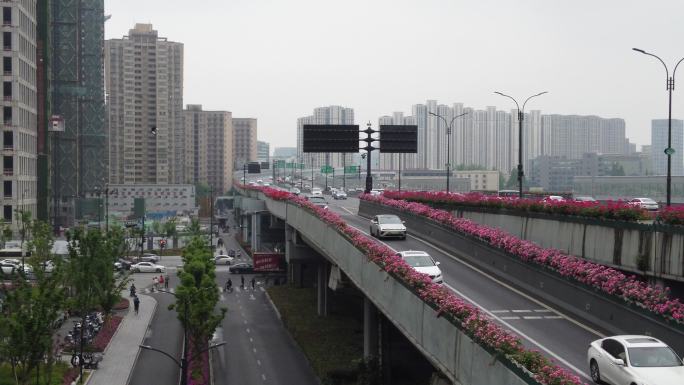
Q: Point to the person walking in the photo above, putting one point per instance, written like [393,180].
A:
[161,279]
[166,281]
[133,290]
[253,283]
[155,282]
[242,282]
[136,304]
[229,285]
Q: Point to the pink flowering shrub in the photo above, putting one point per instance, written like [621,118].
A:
[102,338]
[618,210]
[606,279]
[470,319]
[673,215]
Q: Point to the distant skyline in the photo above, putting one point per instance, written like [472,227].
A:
[276,60]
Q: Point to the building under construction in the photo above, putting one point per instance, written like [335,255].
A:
[78,161]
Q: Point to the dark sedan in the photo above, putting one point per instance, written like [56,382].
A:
[241,268]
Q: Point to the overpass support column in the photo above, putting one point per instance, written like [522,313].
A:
[256,232]
[244,223]
[322,288]
[370,329]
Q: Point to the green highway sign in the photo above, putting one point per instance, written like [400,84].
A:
[280,163]
[351,169]
[326,169]
[290,165]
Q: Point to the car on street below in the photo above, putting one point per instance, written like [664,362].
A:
[422,262]
[316,191]
[223,259]
[585,199]
[553,198]
[147,267]
[241,268]
[150,257]
[376,192]
[644,203]
[385,226]
[8,268]
[634,359]
[295,191]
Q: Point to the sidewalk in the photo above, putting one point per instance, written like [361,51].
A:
[122,352]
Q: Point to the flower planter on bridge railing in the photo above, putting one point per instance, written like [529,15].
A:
[605,279]
[531,366]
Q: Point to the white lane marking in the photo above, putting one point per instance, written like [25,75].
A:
[247,330]
[532,317]
[543,311]
[520,333]
[245,321]
[553,317]
[509,287]
[251,340]
[511,317]
[263,377]
[345,209]
[254,350]
[222,298]
[251,296]
[500,311]
[522,311]
[259,362]
[242,314]
[262,288]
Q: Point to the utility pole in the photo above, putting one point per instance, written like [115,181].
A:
[211,218]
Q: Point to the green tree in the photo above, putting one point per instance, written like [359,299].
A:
[5,234]
[616,169]
[512,179]
[197,295]
[30,310]
[156,228]
[195,229]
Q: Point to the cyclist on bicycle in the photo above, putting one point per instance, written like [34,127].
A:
[229,285]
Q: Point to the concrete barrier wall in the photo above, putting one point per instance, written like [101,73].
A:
[447,347]
[649,250]
[611,314]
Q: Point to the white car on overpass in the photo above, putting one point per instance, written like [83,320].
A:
[422,262]
[385,226]
[634,360]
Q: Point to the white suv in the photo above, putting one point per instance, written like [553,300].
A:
[387,226]
[422,262]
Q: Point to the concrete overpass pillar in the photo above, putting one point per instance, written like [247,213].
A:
[244,223]
[256,232]
[370,329]
[322,288]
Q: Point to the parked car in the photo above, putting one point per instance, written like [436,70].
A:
[387,226]
[339,194]
[422,262]
[376,192]
[147,267]
[8,268]
[633,359]
[644,203]
[241,268]
[150,257]
[585,199]
[316,191]
[223,259]
[553,198]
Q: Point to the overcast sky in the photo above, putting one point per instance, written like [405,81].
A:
[276,60]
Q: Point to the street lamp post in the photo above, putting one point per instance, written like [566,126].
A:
[521,117]
[670,85]
[211,218]
[449,126]
[107,207]
[312,173]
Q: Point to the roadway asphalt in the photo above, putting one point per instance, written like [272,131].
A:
[540,327]
[258,349]
[164,333]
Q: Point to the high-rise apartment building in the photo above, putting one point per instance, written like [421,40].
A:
[263,151]
[244,141]
[19,106]
[325,115]
[208,148]
[79,167]
[144,83]
[489,138]
[659,133]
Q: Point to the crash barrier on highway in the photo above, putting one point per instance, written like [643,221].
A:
[445,340]
[652,250]
[610,313]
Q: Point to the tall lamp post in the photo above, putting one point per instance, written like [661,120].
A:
[521,117]
[669,86]
[448,125]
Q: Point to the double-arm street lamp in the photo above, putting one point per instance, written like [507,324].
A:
[669,86]
[448,158]
[184,361]
[521,117]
